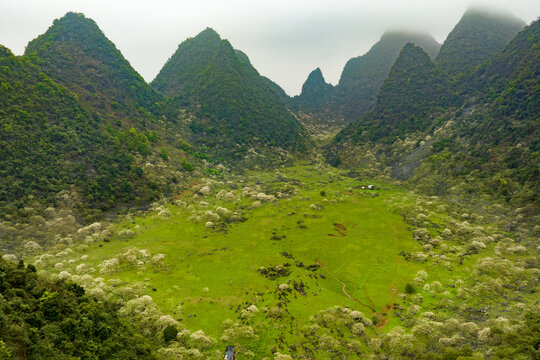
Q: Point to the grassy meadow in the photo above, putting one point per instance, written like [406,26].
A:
[286,247]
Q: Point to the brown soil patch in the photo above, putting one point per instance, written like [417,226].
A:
[340,229]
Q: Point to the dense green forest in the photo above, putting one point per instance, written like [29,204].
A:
[75,53]
[235,107]
[44,319]
[50,143]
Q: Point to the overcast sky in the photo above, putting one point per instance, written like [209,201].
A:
[285,39]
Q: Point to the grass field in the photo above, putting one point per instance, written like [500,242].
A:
[332,242]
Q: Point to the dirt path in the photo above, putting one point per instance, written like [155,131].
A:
[386,310]
[344,288]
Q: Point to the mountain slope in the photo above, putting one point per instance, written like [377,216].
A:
[486,141]
[190,58]
[502,127]
[235,106]
[478,36]
[408,97]
[74,52]
[49,143]
[363,76]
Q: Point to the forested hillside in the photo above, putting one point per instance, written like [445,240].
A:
[51,143]
[363,76]
[482,129]
[53,320]
[409,98]
[75,53]
[235,107]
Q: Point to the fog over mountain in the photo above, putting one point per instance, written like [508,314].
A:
[286,40]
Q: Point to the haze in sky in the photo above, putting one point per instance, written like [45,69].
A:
[285,39]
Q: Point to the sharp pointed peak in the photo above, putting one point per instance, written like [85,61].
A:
[412,50]
[208,33]
[316,76]
[316,73]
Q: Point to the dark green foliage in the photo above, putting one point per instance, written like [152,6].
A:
[478,36]
[233,103]
[49,142]
[522,343]
[163,154]
[187,166]
[75,53]
[413,90]
[169,333]
[363,76]
[41,319]
[409,289]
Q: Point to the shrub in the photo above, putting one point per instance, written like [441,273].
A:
[409,288]
[169,333]
[187,166]
[163,154]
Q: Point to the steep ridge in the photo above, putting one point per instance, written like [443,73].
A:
[478,36]
[486,136]
[235,106]
[408,98]
[363,76]
[75,53]
[51,143]
[499,124]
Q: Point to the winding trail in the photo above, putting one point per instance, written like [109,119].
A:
[344,288]
[386,310]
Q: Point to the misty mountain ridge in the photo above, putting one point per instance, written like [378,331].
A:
[362,78]
[413,89]
[459,128]
[477,36]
